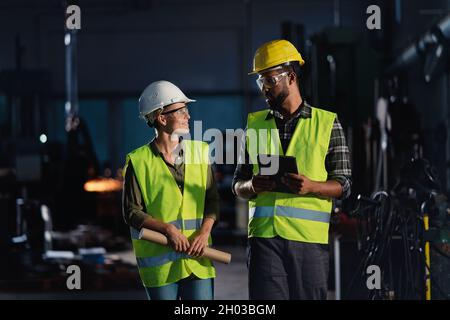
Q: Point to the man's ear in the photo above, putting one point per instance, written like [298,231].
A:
[292,77]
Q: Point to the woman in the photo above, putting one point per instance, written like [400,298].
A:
[169,187]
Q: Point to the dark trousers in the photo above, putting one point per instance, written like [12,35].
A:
[281,269]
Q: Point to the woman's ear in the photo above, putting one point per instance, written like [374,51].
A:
[161,120]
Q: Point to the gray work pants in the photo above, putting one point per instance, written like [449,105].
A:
[281,269]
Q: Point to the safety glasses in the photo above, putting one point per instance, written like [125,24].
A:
[180,111]
[270,82]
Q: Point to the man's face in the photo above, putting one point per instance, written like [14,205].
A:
[276,94]
[176,117]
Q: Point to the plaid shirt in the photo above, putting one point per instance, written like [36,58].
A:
[337,160]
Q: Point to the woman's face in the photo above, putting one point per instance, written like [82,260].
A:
[176,118]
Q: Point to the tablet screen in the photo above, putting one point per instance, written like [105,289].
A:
[276,167]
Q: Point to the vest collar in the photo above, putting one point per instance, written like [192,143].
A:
[154,148]
[303,111]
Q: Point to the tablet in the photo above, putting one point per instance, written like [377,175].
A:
[277,166]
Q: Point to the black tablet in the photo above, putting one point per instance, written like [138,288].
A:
[277,166]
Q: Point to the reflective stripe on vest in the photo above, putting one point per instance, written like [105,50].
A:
[161,259]
[294,217]
[161,265]
[283,211]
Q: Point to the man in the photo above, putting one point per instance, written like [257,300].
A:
[169,187]
[288,231]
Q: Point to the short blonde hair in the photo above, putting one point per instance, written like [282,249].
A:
[151,117]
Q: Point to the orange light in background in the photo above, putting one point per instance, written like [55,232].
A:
[103,185]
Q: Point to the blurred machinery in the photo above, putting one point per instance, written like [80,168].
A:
[431,49]
[397,230]
[50,215]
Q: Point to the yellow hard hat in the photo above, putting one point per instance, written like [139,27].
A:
[274,53]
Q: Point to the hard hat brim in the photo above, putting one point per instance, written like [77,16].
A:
[278,66]
[301,63]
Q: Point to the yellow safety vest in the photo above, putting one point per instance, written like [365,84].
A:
[161,265]
[293,217]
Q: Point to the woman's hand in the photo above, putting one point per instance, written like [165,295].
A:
[176,239]
[199,244]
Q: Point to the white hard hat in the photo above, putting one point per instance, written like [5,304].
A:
[158,95]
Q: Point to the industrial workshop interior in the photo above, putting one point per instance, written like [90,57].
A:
[89,211]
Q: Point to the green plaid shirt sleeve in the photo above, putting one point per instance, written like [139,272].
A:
[337,161]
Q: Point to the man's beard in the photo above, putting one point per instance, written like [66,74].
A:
[276,102]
